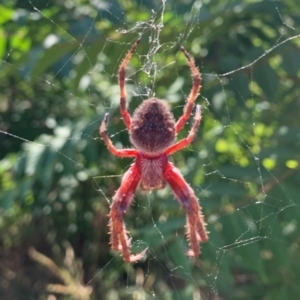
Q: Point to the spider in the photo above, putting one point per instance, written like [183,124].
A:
[152,130]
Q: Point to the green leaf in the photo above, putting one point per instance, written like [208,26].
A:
[5,14]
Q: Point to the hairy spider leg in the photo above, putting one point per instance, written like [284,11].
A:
[196,231]
[193,93]
[186,141]
[124,112]
[122,199]
[109,144]
[120,204]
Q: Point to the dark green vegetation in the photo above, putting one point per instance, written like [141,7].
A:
[57,79]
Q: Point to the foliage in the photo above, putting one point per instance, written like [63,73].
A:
[58,77]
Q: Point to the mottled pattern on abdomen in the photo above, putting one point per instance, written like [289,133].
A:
[152,127]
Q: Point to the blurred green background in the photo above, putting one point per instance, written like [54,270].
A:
[58,76]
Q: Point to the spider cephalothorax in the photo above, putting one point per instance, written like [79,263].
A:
[152,127]
[152,131]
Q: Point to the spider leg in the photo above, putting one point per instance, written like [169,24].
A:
[119,207]
[109,144]
[193,93]
[124,112]
[186,141]
[196,227]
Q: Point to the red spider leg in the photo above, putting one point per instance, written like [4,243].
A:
[124,112]
[186,141]
[109,144]
[196,231]
[193,93]
[121,202]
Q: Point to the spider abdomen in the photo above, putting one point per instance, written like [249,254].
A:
[152,127]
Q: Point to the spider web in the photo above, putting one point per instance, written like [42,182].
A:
[241,209]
